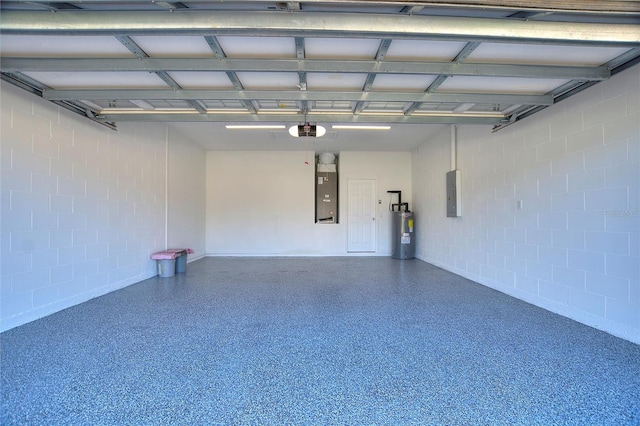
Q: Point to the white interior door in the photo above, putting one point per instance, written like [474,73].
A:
[362,215]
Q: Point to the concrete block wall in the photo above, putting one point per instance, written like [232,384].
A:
[261,203]
[186,189]
[573,247]
[82,206]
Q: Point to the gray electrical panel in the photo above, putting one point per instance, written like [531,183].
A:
[453,193]
[326,189]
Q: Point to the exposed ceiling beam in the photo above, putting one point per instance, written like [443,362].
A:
[302,75]
[411,9]
[217,50]
[295,95]
[134,48]
[10,64]
[618,64]
[368,84]
[581,6]
[444,118]
[36,88]
[460,57]
[314,24]
[293,5]
[530,14]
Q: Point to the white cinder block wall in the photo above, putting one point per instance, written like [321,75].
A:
[82,206]
[262,203]
[573,248]
[186,189]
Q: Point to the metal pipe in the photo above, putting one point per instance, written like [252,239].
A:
[454,148]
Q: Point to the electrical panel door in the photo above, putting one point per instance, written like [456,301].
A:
[326,197]
[453,193]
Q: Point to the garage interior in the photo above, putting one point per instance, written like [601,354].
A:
[132,127]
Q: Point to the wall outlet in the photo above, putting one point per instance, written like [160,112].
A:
[520,205]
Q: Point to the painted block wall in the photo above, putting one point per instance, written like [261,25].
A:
[573,248]
[186,188]
[262,203]
[82,206]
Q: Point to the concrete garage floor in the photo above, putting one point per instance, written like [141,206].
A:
[347,340]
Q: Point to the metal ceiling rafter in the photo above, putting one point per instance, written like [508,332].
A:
[170,5]
[215,47]
[567,89]
[218,51]
[35,87]
[460,57]
[164,76]
[132,46]
[380,55]
[616,65]
[530,14]
[302,75]
[294,95]
[53,6]
[140,54]
[466,51]
[409,10]
[185,22]
[232,65]
[25,83]
[301,117]
[412,22]
[574,6]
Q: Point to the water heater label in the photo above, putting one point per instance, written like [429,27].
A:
[406,239]
[410,223]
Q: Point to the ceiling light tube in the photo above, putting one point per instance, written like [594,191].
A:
[140,111]
[382,112]
[487,114]
[254,126]
[352,127]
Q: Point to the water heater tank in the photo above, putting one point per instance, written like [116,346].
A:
[403,235]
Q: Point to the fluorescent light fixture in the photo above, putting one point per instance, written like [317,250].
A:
[353,127]
[487,114]
[140,111]
[291,111]
[236,111]
[336,111]
[254,126]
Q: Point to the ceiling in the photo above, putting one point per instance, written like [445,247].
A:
[417,66]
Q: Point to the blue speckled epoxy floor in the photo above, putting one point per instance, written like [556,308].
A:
[314,341]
